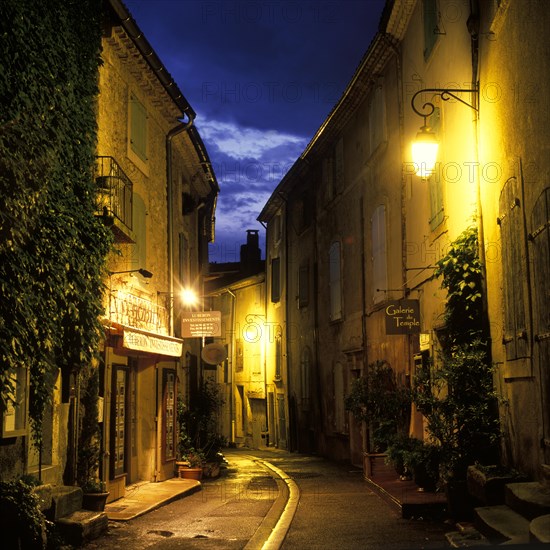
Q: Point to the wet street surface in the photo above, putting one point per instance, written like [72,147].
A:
[336,509]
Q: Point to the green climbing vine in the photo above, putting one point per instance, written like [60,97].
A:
[52,247]
[457,395]
[461,272]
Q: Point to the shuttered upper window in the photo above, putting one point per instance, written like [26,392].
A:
[335,281]
[138,128]
[379,254]
[540,237]
[515,336]
[431,30]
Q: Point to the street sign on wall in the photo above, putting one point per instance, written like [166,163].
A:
[201,324]
[403,317]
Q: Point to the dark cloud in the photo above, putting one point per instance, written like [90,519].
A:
[262,76]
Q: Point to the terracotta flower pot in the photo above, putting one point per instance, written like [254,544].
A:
[188,472]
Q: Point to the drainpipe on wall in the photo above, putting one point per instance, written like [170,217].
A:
[182,127]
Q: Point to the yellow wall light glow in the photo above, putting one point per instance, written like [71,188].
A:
[424,152]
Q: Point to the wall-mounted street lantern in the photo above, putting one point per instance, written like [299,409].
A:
[425,146]
[143,272]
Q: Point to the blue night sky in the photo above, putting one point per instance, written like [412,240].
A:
[262,76]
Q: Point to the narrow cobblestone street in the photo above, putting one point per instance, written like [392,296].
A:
[336,509]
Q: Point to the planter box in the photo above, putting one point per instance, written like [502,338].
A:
[487,484]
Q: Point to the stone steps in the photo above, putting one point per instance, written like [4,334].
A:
[65,510]
[522,517]
[82,526]
[539,529]
[502,524]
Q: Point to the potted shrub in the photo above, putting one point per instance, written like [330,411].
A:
[379,400]
[190,464]
[87,472]
[456,395]
[199,444]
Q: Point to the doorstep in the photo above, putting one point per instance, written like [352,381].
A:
[144,497]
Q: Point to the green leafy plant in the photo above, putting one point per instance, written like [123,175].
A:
[198,432]
[23,524]
[52,246]
[456,393]
[378,398]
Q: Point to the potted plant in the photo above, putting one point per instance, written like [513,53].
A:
[379,400]
[199,443]
[95,492]
[456,394]
[190,464]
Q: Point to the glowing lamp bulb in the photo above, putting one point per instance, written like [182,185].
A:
[188,296]
[424,152]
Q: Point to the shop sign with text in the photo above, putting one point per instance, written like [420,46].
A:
[403,317]
[200,324]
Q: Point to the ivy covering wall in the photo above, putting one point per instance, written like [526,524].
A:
[52,246]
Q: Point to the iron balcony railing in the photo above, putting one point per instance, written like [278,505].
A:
[115,192]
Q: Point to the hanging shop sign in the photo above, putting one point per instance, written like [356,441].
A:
[201,324]
[403,317]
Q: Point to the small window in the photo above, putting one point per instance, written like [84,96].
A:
[377,119]
[14,417]
[335,281]
[138,128]
[431,29]
[275,279]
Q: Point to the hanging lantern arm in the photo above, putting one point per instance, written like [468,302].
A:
[445,94]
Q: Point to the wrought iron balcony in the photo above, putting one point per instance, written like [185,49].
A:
[114,198]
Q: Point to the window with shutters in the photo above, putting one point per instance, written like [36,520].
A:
[377,119]
[379,255]
[431,28]
[275,280]
[514,272]
[138,128]
[335,281]
[540,238]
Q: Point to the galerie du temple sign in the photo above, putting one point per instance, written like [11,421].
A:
[403,317]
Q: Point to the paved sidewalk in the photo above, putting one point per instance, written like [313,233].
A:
[145,497]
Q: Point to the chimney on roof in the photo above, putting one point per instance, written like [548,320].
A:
[250,252]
